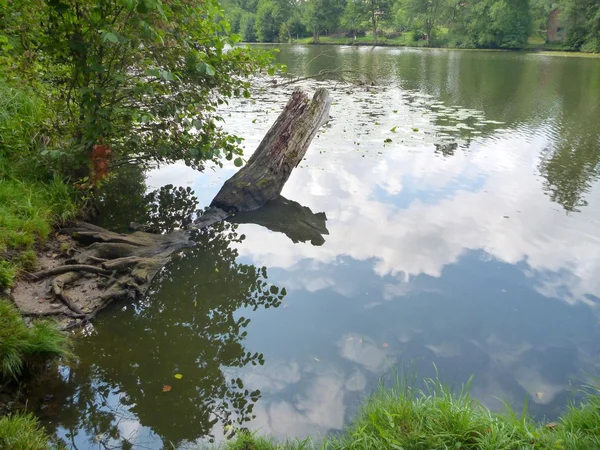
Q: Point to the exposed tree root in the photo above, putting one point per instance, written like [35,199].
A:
[67,268]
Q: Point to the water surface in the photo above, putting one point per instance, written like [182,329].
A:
[459,236]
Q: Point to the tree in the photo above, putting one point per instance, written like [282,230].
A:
[321,15]
[378,10]
[143,76]
[269,18]
[427,13]
[247,23]
[582,18]
[354,16]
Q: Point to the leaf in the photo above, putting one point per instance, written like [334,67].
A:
[395,111]
[238,162]
[253,120]
[166,75]
[110,36]
[387,141]
[178,376]
[166,388]
[205,68]
[540,395]
[393,130]
[416,130]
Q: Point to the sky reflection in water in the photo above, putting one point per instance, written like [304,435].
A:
[467,241]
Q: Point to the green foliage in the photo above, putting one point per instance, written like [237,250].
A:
[7,274]
[23,432]
[20,344]
[473,24]
[22,117]
[144,76]
[247,23]
[269,19]
[28,210]
[582,20]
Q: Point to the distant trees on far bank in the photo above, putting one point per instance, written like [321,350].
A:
[453,23]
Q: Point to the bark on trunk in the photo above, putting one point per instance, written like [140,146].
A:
[280,151]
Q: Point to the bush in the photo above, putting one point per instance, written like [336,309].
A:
[20,344]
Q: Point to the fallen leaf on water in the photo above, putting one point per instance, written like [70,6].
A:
[540,395]
[393,130]
[178,376]
[166,388]
[384,345]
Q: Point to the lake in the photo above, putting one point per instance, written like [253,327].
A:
[445,223]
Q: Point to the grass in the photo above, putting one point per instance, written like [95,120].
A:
[31,200]
[21,345]
[28,211]
[437,418]
[23,432]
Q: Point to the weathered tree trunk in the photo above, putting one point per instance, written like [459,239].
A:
[106,266]
[280,151]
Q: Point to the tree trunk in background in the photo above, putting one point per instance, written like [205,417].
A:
[374,22]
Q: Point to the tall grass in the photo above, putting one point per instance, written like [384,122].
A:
[28,211]
[21,345]
[32,200]
[22,117]
[435,417]
[23,432]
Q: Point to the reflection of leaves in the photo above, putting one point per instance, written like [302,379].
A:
[192,323]
[170,208]
[124,200]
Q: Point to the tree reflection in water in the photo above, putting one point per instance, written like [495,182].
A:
[132,354]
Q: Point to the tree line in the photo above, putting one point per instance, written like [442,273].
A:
[453,23]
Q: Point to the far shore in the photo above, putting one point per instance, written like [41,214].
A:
[542,50]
